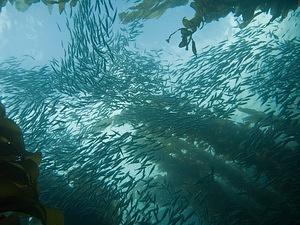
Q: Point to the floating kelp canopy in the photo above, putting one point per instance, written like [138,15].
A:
[207,11]
[149,9]
[23,5]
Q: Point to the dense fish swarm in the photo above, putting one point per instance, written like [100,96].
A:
[127,139]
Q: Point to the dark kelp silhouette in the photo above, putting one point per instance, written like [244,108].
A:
[207,11]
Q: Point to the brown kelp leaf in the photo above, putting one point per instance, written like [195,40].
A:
[185,32]
[36,157]
[73,3]
[31,169]
[10,188]
[149,9]
[61,6]
[187,23]
[11,131]
[14,172]
[21,5]
[183,43]
[54,217]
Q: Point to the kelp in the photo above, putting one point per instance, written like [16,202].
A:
[207,11]
[23,5]
[149,9]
